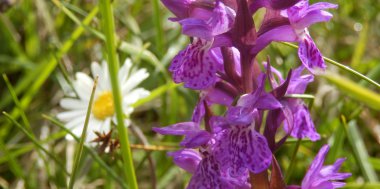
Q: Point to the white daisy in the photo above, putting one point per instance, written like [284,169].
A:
[103,112]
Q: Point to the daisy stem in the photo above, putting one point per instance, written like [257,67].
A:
[113,66]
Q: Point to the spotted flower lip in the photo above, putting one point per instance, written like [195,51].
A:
[102,113]
[196,66]
[319,176]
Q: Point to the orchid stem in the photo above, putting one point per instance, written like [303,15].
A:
[113,66]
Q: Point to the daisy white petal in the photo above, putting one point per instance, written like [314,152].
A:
[135,95]
[73,104]
[124,70]
[134,80]
[69,115]
[76,122]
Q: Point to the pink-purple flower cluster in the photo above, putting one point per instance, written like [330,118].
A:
[223,151]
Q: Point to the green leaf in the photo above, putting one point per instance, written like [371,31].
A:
[360,150]
[354,90]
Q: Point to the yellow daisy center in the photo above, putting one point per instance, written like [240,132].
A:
[103,106]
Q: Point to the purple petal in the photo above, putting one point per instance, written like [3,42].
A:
[312,18]
[319,176]
[217,96]
[259,98]
[302,15]
[271,72]
[248,100]
[296,12]
[218,124]
[199,112]
[222,19]
[178,129]
[244,149]
[281,4]
[271,4]
[321,6]
[268,102]
[281,33]
[195,66]
[187,159]
[303,125]
[195,139]
[239,115]
[299,82]
[310,55]
[196,28]
[315,166]
[178,8]
[208,175]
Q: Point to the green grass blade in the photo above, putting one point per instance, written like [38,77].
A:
[93,154]
[360,150]
[145,55]
[360,47]
[156,93]
[108,26]
[362,186]
[17,102]
[12,163]
[36,142]
[158,25]
[78,154]
[354,90]
[49,67]
[343,67]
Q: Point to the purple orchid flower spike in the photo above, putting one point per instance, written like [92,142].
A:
[319,176]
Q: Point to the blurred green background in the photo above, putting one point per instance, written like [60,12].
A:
[43,42]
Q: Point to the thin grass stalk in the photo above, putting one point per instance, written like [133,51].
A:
[35,141]
[17,102]
[158,26]
[113,67]
[78,154]
[343,67]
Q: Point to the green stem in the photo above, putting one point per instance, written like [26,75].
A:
[79,151]
[158,25]
[292,162]
[113,66]
[343,67]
